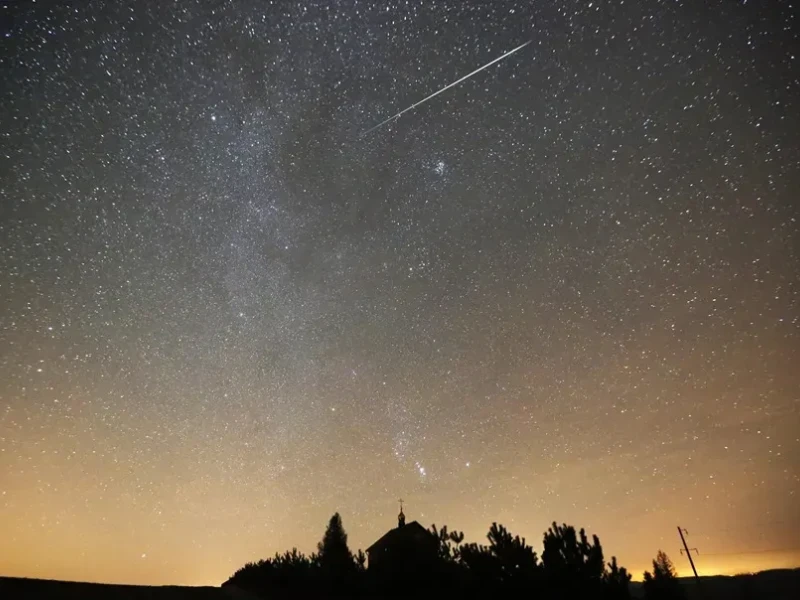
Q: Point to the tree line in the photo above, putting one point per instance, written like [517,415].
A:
[571,566]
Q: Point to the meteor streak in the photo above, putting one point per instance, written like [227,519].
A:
[447,87]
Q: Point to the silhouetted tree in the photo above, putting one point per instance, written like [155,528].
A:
[663,583]
[332,550]
[361,561]
[445,572]
[566,555]
[482,573]
[617,580]
[290,570]
[338,566]
[575,566]
[448,542]
[507,565]
[512,551]
[517,561]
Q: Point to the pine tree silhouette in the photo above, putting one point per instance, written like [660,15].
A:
[663,583]
[337,564]
[361,561]
[575,566]
[617,581]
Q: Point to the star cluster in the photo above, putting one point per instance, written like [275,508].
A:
[566,289]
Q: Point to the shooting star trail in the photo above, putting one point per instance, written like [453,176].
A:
[447,87]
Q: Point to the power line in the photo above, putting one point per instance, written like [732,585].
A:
[749,526]
[774,550]
[753,525]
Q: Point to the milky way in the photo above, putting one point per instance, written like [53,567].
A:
[565,290]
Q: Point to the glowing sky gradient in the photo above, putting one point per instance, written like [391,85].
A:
[565,290]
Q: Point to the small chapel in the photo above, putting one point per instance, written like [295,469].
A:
[405,547]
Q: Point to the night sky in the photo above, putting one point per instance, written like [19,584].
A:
[566,289]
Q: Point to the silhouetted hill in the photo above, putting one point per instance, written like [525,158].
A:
[775,584]
[16,588]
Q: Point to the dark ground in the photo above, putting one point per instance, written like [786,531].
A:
[775,584]
[778,584]
[13,588]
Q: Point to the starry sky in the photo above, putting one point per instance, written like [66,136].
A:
[566,289]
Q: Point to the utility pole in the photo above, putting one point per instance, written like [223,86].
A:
[688,552]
